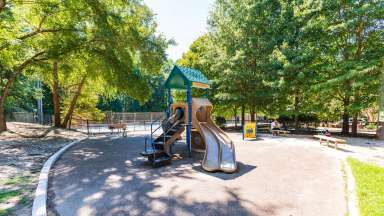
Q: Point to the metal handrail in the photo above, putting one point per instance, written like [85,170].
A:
[154,130]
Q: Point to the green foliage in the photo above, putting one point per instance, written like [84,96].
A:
[369,187]
[220,121]
[293,57]
[22,97]
[124,103]
[113,44]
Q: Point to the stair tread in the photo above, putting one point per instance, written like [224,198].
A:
[162,159]
[151,151]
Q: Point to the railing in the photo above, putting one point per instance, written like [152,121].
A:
[163,134]
[152,132]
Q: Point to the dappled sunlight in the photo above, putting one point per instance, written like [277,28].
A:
[86,210]
[94,197]
[133,186]
[115,179]
[87,154]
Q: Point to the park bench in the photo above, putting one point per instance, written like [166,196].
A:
[278,132]
[328,139]
[118,126]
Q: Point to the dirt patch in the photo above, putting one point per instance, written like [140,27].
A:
[23,150]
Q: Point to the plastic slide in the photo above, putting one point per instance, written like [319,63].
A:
[220,151]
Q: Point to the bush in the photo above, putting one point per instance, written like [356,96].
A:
[302,118]
[220,121]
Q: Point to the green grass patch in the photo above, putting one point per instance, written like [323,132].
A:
[16,180]
[6,195]
[19,184]
[4,212]
[369,180]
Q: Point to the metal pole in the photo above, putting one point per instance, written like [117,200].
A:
[189,125]
[169,103]
[39,104]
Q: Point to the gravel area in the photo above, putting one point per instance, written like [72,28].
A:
[23,150]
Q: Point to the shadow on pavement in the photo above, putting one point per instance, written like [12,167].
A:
[106,176]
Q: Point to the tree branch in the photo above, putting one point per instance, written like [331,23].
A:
[40,31]
[29,35]
[17,71]
[20,68]
[2,4]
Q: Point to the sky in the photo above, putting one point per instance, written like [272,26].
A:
[182,20]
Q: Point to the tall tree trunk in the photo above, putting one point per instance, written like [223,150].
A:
[3,124]
[242,115]
[252,111]
[235,114]
[2,4]
[56,95]
[354,124]
[72,105]
[356,100]
[7,88]
[380,121]
[296,110]
[17,71]
[345,128]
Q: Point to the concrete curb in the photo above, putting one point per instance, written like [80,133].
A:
[39,207]
[353,209]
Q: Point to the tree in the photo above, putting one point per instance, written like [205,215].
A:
[113,41]
[124,103]
[352,37]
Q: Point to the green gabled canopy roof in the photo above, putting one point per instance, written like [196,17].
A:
[181,77]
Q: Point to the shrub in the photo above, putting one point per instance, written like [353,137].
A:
[220,121]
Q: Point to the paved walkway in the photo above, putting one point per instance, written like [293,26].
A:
[278,176]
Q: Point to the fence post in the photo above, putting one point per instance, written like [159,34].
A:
[87,126]
[134,122]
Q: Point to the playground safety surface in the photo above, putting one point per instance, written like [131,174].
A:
[277,176]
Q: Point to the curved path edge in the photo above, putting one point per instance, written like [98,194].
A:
[39,207]
[353,209]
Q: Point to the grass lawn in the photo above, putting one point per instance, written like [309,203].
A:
[369,187]
[13,194]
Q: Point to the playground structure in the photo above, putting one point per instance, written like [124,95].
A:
[194,117]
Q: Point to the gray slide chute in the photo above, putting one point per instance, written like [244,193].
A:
[220,151]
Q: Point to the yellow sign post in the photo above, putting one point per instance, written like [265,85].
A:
[249,130]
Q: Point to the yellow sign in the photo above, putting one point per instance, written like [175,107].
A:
[249,130]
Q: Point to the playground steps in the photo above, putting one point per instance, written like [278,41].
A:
[156,154]
[160,160]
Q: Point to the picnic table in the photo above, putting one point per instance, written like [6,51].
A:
[328,139]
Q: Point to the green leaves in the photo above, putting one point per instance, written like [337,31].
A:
[113,44]
[293,56]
